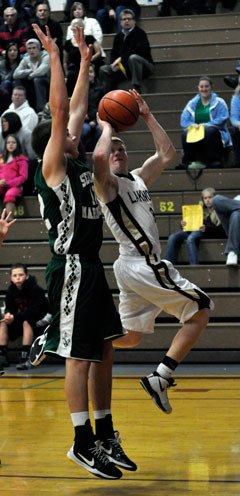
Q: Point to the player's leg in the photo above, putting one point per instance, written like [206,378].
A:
[27,340]
[101,393]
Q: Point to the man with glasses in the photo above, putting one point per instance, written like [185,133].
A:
[130,56]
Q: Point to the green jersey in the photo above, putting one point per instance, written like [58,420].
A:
[71,212]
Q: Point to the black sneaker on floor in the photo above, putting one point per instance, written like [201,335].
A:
[113,449]
[157,387]
[2,371]
[37,349]
[95,461]
[26,365]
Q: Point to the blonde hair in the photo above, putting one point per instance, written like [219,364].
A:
[115,139]
[77,22]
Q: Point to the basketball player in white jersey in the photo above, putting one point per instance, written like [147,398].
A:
[147,284]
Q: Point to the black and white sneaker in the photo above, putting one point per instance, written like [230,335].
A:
[2,371]
[95,461]
[24,365]
[37,349]
[157,387]
[113,450]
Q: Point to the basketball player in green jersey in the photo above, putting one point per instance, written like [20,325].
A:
[84,317]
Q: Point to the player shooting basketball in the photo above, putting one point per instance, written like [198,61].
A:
[147,283]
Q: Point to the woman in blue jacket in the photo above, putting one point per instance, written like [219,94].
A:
[210,110]
[235,121]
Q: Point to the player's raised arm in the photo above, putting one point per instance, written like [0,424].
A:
[165,151]
[104,180]
[53,158]
[79,98]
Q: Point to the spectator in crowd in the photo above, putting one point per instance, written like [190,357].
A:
[43,19]
[235,121]
[11,124]
[130,56]
[13,172]
[91,25]
[72,57]
[228,211]
[108,12]
[20,105]
[8,65]
[33,73]
[211,228]
[24,7]
[207,114]
[26,304]
[13,29]
[91,131]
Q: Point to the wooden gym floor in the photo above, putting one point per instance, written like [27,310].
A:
[195,450]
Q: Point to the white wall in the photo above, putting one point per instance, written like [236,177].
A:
[57,4]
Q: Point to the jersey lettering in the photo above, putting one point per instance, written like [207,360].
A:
[86,178]
[139,196]
[91,212]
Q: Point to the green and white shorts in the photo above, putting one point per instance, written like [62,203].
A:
[84,314]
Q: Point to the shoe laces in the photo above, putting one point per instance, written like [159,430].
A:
[99,454]
[116,442]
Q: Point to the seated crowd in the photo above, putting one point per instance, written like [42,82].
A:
[24,83]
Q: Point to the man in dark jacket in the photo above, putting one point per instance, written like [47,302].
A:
[130,56]
[26,305]
[43,19]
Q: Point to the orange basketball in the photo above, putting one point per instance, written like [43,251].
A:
[119,108]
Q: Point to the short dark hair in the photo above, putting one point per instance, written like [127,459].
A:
[19,265]
[21,88]
[40,136]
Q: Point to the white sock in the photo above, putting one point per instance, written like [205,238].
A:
[164,371]
[79,418]
[99,414]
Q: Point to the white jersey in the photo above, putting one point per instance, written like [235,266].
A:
[130,217]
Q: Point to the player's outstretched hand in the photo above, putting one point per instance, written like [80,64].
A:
[47,41]
[5,223]
[104,124]
[85,50]
[143,106]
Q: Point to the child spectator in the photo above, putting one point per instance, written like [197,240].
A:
[12,124]
[26,304]
[211,228]
[13,172]
[8,66]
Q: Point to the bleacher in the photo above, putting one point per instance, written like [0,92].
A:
[184,48]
